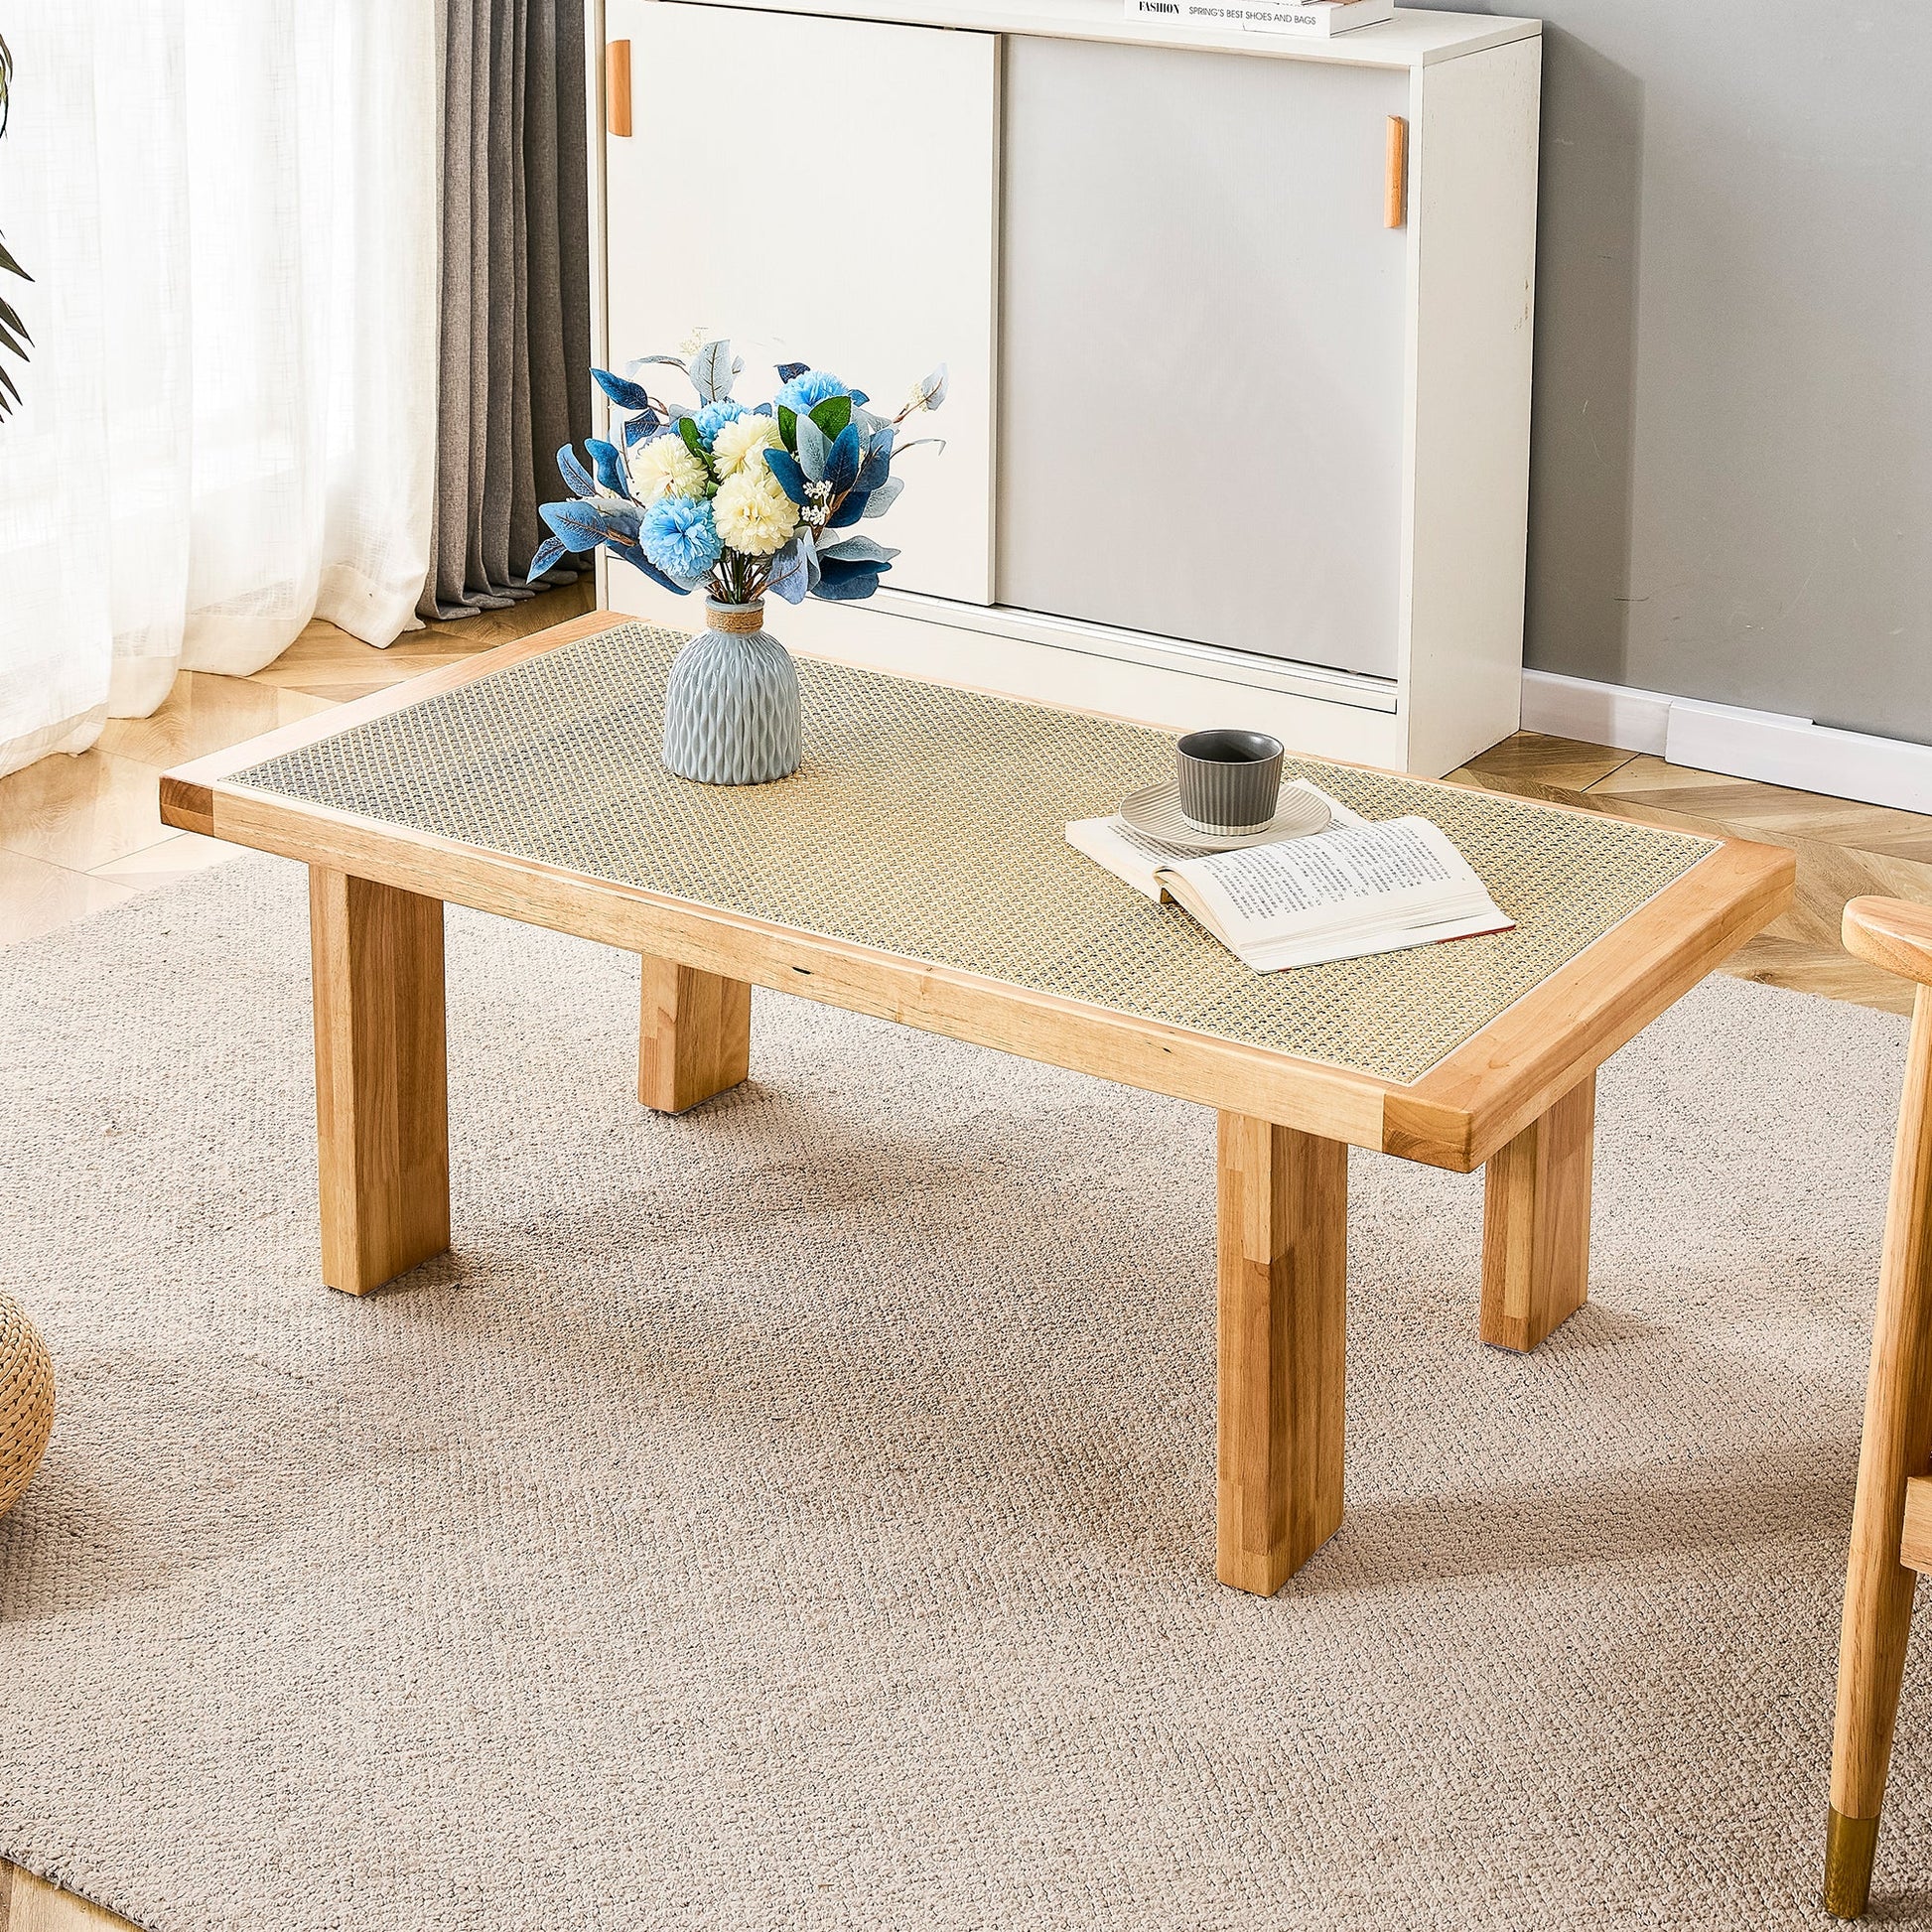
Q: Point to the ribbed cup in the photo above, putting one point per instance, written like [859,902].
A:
[1230,780]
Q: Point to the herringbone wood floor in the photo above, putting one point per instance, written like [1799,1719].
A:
[79,834]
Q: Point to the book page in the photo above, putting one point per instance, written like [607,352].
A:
[1265,888]
[1138,860]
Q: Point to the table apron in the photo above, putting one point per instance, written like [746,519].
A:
[1199,1067]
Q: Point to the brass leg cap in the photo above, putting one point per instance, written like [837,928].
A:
[1850,1844]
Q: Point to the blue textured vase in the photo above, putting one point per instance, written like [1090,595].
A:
[731,706]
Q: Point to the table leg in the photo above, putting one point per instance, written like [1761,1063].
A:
[1535,1223]
[694,1037]
[383,1123]
[1283,1211]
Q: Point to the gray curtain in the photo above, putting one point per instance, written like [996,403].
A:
[514,377]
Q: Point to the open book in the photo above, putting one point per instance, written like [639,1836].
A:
[1355,889]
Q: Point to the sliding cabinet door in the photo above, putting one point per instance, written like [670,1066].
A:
[821,191]
[1202,353]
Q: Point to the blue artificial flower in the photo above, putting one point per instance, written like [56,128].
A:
[802,391]
[714,416]
[678,535]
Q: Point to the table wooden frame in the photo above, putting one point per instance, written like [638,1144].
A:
[1519,1096]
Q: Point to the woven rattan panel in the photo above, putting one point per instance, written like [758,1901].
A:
[929,822]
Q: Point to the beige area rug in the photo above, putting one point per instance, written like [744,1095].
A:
[800,1514]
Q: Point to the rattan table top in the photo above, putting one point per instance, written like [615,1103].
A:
[929,822]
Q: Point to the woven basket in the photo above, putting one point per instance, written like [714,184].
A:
[26,1399]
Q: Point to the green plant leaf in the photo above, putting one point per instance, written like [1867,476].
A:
[693,442]
[788,427]
[832,415]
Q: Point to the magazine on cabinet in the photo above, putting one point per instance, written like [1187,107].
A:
[1321,21]
[1354,890]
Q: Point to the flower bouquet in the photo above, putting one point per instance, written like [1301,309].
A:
[747,503]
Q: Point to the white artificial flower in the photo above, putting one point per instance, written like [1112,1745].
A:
[666,467]
[753,514]
[739,440]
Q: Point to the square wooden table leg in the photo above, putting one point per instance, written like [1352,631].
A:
[694,1035]
[1283,1211]
[382,1119]
[1535,1223]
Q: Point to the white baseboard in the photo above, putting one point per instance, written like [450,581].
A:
[1599,713]
[1768,745]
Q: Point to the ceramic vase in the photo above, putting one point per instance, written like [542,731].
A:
[731,707]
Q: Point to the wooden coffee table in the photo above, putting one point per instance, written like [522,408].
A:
[916,869]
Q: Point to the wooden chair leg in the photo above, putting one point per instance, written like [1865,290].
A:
[1897,1445]
[1283,1207]
[694,1035]
[1535,1223]
[381,1078]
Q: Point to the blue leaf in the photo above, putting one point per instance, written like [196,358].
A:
[761,409]
[857,550]
[848,511]
[786,371]
[859,396]
[791,479]
[789,577]
[846,583]
[842,461]
[548,551]
[712,369]
[882,499]
[625,394]
[633,555]
[580,526]
[933,389]
[572,470]
[583,526]
[609,466]
[638,428]
[878,464]
[814,450]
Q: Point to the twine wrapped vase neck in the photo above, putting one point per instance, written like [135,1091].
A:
[731,703]
[740,619]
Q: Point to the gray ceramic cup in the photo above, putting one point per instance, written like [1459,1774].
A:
[1230,780]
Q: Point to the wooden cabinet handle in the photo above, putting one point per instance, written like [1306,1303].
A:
[1396,210]
[617,88]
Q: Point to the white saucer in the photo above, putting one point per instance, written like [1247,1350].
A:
[1155,813]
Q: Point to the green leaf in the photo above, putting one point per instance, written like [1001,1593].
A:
[832,415]
[788,427]
[693,442]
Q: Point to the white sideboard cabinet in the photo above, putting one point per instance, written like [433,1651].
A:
[1239,332]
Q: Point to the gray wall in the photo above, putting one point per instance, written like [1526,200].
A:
[1730,490]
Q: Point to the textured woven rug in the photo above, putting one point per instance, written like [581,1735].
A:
[799,1513]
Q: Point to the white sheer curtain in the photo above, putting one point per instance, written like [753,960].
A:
[228,425]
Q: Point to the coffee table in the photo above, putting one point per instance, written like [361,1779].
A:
[916,869]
